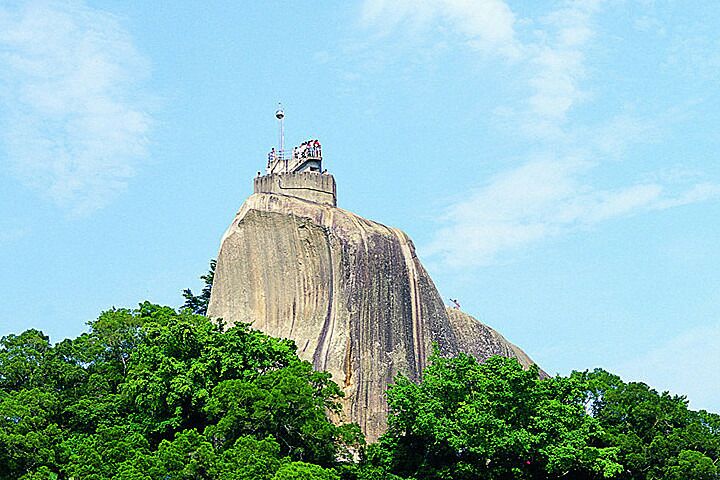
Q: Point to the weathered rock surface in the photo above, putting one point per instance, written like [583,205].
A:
[481,341]
[350,292]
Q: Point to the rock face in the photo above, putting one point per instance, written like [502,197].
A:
[350,292]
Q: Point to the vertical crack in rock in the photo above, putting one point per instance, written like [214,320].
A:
[347,364]
[294,313]
[417,333]
[320,357]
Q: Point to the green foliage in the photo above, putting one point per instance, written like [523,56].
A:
[488,420]
[22,359]
[296,395]
[468,420]
[29,432]
[100,455]
[305,471]
[199,303]
[656,435]
[250,458]
[153,394]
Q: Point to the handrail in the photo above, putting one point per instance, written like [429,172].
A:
[293,155]
[283,155]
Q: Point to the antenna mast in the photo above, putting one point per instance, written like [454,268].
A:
[280,115]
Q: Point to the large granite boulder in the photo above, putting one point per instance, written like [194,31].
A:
[350,292]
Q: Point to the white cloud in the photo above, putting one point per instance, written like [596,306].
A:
[542,199]
[12,234]
[611,138]
[74,127]
[485,25]
[555,58]
[553,189]
[688,364]
[556,61]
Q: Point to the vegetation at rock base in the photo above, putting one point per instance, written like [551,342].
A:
[156,394]
[153,393]
[199,303]
[494,420]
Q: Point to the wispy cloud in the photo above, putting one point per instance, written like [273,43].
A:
[557,64]
[74,125]
[12,234]
[551,190]
[484,25]
[541,199]
[687,364]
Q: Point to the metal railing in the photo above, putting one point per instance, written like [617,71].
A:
[282,161]
[295,155]
[283,155]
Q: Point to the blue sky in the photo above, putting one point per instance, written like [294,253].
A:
[554,162]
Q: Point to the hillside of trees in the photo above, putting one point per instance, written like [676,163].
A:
[156,393]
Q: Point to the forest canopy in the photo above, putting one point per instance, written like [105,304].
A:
[155,393]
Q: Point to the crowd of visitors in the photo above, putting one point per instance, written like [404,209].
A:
[308,149]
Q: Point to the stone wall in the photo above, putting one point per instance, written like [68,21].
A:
[315,187]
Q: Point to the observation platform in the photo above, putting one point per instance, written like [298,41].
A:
[298,173]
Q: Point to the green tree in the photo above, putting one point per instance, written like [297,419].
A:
[21,359]
[656,435]
[305,471]
[493,420]
[117,332]
[42,473]
[692,465]
[298,398]
[30,436]
[154,393]
[199,303]
[100,455]
[251,459]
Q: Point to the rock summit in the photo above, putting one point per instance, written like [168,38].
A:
[351,293]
